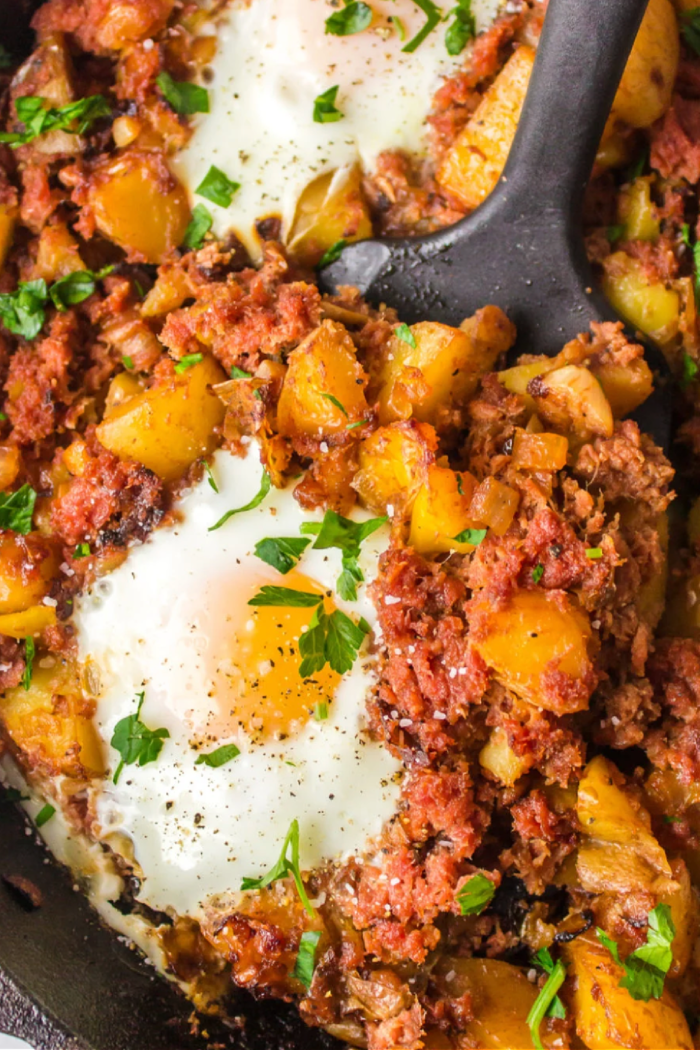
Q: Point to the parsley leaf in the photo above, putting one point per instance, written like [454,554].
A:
[17,509]
[398,26]
[222,755]
[312,645]
[544,959]
[321,711]
[324,106]
[29,654]
[543,1003]
[285,596]
[22,311]
[537,573]
[81,551]
[463,28]
[284,866]
[637,167]
[135,742]
[351,19]
[240,373]
[433,18]
[594,553]
[616,233]
[265,485]
[646,967]
[75,287]
[690,370]
[210,476]
[690,27]
[44,815]
[76,117]
[188,361]
[281,552]
[127,361]
[331,254]
[199,225]
[347,536]
[343,640]
[473,536]
[306,957]
[685,234]
[183,97]
[404,333]
[217,187]
[475,895]
[336,403]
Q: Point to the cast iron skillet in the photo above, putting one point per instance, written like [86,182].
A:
[76,971]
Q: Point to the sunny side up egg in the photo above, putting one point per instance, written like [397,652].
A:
[274,58]
[173,622]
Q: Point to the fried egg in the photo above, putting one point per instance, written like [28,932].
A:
[273,59]
[173,622]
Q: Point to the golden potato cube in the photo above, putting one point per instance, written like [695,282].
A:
[441,512]
[123,387]
[27,565]
[10,462]
[532,641]
[48,74]
[646,87]
[473,163]
[57,253]
[607,1015]
[637,212]
[332,208]
[8,218]
[532,451]
[169,292]
[51,722]
[499,758]
[168,427]
[683,903]
[626,387]
[571,399]
[394,463]
[651,307]
[494,505]
[138,203]
[28,622]
[321,371]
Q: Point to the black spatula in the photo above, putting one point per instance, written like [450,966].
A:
[523,248]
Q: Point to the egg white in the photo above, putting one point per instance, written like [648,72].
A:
[273,59]
[197,831]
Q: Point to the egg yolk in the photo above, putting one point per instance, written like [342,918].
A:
[257,684]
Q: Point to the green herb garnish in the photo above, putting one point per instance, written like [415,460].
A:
[38,118]
[210,476]
[22,311]
[306,957]
[44,815]
[185,98]
[265,486]
[222,755]
[81,551]
[690,370]
[473,536]
[616,233]
[75,287]
[17,509]
[217,187]
[398,26]
[127,361]
[321,711]
[135,742]
[475,895]
[690,28]
[543,1004]
[284,866]
[347,536]
[594,553]
[29,654]
[199,225]
[351,19]
[331,254]
[281,552]
[462,29]
[433,18]
[240,373]
[537,573]
[336,403]
[188,361]
[325,111]
[404,333]
[646,967]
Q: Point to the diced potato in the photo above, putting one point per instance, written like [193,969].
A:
[473,163]
[48,74]
[322,370]
[539,451]
[29,622]
[448,361]
[169,292]
[499,758]
[27,565]
[652,308]
[517,379]
[626,387]
[494,505]
[532,643]
[168,427]
[124,23]
[10,462]
[619,853]
[332,208]
[683,903]
[394,463]
[52,723]
[8,218]
[139,204]
[637,212]
[57,254]
[123,387]
[571,399]
[607,1015]
[647,83]
[441,512]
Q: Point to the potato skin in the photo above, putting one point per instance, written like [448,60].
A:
[647,83]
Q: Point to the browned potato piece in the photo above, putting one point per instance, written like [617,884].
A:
[651,307]
[637,211]
[473,163]
[31,621]
[138,203]
[394,463]
[322,369]
[441,512]
[625,386]
[607,1015]
[443,368]
[57,254]
[331,209]
[47,73]
[646,87]
[8,217]
[168,427]
[570,399]
[499,758]
[27,565]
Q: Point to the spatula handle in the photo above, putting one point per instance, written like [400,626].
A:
[580,60]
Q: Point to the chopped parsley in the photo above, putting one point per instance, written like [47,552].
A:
[351,19]
[81,551]
[462,28]
[222,755]
[17,509]
[198,226]
[38,118]
[537,573]
[22,311]
[240,373]
[398,26]
[594,553]
[210,476]
[475,895]
[404,333]
[281,552]
[188,361]
[331,254]
[306,957]
[685,234]
[286,597]
[135,742]
[473,536]
[646,967]
[690,28]
[183,97]
[325,111]
[544,1004]
[433,19]
[127,361]
[257,499]
[347,536]
[336,403]
[321,711]
[29,654]
[637,167]
[690,370]
[76,287]
[44,815]
[217,187]
[616,233]
[285,866]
